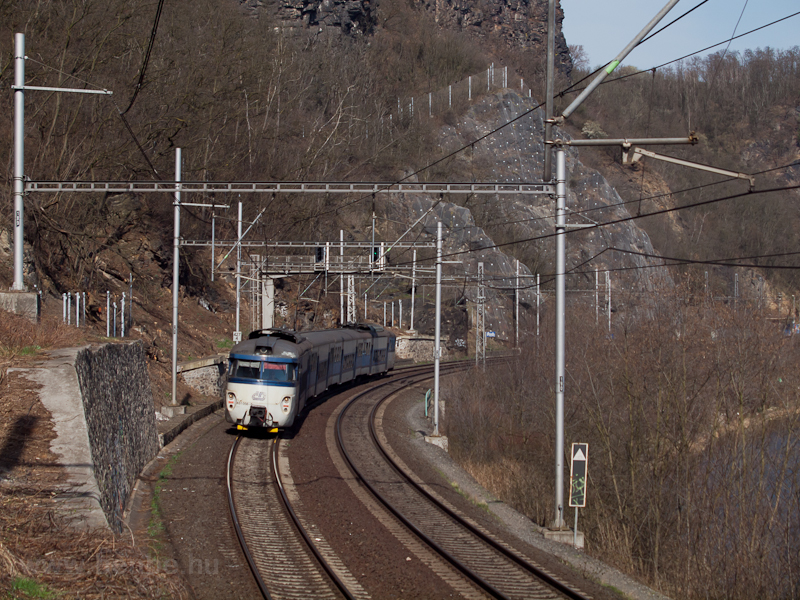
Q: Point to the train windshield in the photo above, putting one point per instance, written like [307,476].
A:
[245,369]
[265,371]
[278,372]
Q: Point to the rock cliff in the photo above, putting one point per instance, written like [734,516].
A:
[352,17]
[520,24]
[516,154]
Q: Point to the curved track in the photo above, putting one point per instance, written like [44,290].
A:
[494,567]
[285,563]
[289,562]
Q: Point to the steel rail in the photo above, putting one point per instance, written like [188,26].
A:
[406,373]
[519,561]
[262,586]
[466,571]
[295,519]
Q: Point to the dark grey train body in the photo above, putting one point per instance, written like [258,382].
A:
[273,373]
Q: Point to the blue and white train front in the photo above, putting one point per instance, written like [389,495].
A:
[261,391]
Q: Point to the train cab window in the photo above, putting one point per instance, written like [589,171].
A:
[279,372]
[244,369]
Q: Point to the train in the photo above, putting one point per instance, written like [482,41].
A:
[273,373]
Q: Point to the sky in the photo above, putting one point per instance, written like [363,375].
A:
[604,27]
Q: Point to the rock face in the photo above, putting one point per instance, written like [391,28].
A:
[353,17]
[519,23]
[516,154]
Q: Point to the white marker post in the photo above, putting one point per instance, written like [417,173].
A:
[577,483]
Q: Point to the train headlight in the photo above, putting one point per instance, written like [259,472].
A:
[286,404]
[231,400]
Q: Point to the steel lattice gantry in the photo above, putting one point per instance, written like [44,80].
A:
[289,187]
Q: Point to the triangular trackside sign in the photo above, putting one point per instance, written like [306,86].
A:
[577,475]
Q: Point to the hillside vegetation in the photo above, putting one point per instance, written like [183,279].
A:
[689,403]
[745,108]
[244,99]
[691,415]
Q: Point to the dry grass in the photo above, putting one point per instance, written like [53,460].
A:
[21,337]
[40,554]
[691,416]
[38,546]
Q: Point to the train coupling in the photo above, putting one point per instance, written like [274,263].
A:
[259,417]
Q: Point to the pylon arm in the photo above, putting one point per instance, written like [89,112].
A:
[639,152]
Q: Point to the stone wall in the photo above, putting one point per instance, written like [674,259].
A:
[120,418]
[207,376]
[418,349]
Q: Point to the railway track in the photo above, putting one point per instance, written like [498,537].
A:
[286,563]
[289,558]
[491,565]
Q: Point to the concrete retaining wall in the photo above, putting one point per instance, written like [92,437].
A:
[120,418]
[22,303]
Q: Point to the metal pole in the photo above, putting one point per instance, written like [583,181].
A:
[268,303]
[175,278]
[327,265]
[516,309]
[575,530]
[384,314]
[561,209]
[341,277]
[618,59]
[550,88]
[608,286]
[596,296]
[538,301]
[19,158]
[436,350]
[115,318]
[122,315]
[477,333]
[480,334]
[392,313]
[130,302]
[372,246]
[365,306]
[108,314]
[238,268]
[69,308]
[77,309]
[213,248]
[400,310]
[413,285]
[63,308]
[253,291]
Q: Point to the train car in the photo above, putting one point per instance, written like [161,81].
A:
[273,373]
